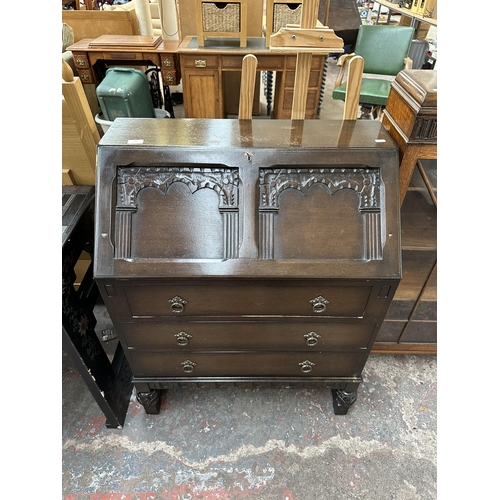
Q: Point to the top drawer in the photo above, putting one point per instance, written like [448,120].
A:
[200,61]
[247,299]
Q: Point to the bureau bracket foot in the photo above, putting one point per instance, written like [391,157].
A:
[342,400]
[150,400]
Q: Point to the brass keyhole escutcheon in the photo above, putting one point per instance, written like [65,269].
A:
[188,366]
[182,338]
[319,304]
[312,338]
[177,304]
[306,366]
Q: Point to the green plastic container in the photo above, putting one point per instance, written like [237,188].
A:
[124,92]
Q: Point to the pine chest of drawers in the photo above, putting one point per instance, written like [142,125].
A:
[247,252]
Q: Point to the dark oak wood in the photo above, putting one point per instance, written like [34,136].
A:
[247,253]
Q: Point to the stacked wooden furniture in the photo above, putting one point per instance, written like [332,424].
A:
[240,252]
[279,14]
[411,119]
[221,20]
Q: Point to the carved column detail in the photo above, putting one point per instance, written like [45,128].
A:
[231,237]
[365,181]
[373,236]
[122,231]
[224,181]
[266,234]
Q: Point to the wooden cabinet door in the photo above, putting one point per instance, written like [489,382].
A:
[202,93]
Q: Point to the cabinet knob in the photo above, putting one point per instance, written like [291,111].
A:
[312,338]
[188,366]
[182,338]
[177,304]
[319,304]
[306,366]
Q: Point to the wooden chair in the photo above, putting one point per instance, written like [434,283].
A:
[79,132]
[385,52]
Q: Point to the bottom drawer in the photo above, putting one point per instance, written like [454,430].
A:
[291,364]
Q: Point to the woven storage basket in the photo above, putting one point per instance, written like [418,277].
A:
[226,19]
[286,14]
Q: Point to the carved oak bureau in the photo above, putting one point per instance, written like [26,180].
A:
[247,253]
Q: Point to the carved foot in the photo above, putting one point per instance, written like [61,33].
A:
[342,400]
[150,400]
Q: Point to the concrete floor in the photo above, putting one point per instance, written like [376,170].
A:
[263,444]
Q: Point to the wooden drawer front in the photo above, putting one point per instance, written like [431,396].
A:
[290,364]
[81,61]
[169,62]
[86,76]
[236,300]
[200,61]
[170,77]
[311,100]
[314,79]
[316,63]
[247,336]
[272,63]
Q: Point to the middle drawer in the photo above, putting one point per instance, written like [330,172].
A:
[246,336]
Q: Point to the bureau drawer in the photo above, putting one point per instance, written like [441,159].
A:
[290,364]
[247,335]
[256,300]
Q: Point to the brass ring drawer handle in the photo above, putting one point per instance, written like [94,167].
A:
[312,338]
[182,338]
[177,304]
[306,366]
[319,304]
[188,366]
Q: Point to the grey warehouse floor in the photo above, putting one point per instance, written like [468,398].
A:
[262,444]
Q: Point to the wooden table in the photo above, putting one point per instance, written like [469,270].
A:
[110,383]
[202,71]
[92,62]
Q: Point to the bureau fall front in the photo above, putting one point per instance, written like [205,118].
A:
[247,253]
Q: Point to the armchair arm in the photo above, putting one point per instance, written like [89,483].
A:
[343,62]
[408,63]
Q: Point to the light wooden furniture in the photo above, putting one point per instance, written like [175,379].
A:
[187,21]
[204,257]
[247,87]
[94,23]
[79,132]
[353,87]
[91,61]
[202,69]
[280,13]
[221,20]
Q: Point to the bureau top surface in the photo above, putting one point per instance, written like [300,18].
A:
[247,199]
[227,133]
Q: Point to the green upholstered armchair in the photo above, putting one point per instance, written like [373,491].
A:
[385,52]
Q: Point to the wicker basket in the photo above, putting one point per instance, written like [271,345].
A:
[221,17]
[286,13]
